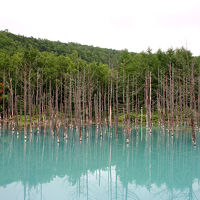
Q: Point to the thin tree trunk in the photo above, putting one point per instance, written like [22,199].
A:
[123,99]
[127,112]
[30,101]
[199,101]
[65,112]
[4,84]
[16,109]
[25,118]
[70,97]
[146,102]
[133,100]
[150,101]
[117,108]
[172,98]
[110,109]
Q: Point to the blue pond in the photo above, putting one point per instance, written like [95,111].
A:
[155,166]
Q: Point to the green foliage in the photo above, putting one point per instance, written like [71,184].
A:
[11,43]
[46,61]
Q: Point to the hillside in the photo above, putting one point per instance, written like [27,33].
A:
[11,43]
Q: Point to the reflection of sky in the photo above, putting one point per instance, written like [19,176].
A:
[150,167]
[95,186]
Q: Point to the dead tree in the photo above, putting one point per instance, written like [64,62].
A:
[30,101]
[25,117]
[127,113]
[117,107]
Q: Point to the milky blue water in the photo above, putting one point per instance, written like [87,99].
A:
[154,167]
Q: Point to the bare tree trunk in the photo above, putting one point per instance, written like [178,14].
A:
[61,102]
[127,112]
[168,103]
[159,99]
[110,109]
[163,100]
[4,84]
[70,97]
[100,110]
[65,112]
[136,106]
[16,109]
[11,96]
[193,129]
[192,97]
[105,109]
[87,122]
[108,103]
[146,102]
[79,112]
[25,119]
[199,101]
[123,99]
[75,103]
[150,102]
[30,101]
[37,102]
[117,108]
[11,105]
[57,123]
[96,110]
[172,98]
[180,102]
[40,102]
[84,94]
[133,100]
[90,101]
[186,101]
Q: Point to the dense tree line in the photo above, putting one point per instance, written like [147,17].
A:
[41,86]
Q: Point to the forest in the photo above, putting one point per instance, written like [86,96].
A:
[54,84]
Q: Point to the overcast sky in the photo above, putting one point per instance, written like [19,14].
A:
[117,24]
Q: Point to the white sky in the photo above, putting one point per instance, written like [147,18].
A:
[118,24]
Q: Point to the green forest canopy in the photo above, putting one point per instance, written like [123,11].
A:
[55,61]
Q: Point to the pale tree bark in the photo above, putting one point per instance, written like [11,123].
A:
[199,101]
[16,109]
[110,104]
[25,117]
[117,107]
[4,84]
[150,89]
[132,101]
[30,101]
[65,109]
[127,113]
[146,101]
[70,97]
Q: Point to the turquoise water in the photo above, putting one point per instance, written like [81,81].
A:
[150,167]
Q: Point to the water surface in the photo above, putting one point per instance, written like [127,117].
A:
[150,167]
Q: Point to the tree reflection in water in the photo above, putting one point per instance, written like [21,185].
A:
[155,166]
